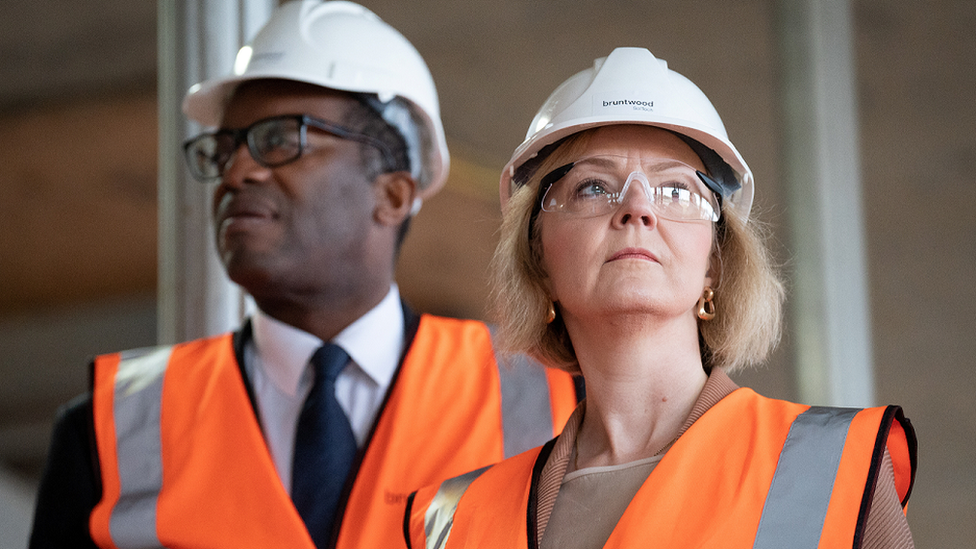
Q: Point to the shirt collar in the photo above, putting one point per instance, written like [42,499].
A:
[374,342]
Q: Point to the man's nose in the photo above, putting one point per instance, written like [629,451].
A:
[242,167]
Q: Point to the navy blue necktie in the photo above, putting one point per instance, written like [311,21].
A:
[324,448]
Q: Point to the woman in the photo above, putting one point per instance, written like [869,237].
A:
[626,257]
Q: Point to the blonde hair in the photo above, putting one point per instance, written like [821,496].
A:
[748,292]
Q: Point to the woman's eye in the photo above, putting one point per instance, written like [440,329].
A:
[676,185]
[591,188]
[675,191]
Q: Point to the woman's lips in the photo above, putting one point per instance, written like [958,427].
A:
[633,253]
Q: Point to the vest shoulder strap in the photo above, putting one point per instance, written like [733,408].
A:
[164,452]
[535,400]
[796,505]
[127,401]
[526,420]
[432,512]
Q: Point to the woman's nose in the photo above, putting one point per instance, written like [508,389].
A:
[635,203]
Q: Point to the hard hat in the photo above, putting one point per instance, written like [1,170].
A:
[631,86]
[343,46]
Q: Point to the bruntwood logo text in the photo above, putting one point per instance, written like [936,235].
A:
[640,105]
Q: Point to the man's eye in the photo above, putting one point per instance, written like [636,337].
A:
[275,139]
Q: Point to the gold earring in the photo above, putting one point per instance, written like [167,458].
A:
[706,309]
[551,314]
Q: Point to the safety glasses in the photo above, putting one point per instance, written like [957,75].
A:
[598,185]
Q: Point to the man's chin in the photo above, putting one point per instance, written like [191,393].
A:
[248,270]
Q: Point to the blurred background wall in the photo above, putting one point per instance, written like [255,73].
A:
[78,165]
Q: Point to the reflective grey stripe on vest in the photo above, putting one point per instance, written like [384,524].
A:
[138,399]
[526,407]
[796,505]
[439,517]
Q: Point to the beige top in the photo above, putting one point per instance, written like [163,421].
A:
[886,528]
[595,497]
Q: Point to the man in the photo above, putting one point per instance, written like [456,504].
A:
[310,425]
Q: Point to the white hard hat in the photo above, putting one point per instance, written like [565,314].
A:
[631,86]
[342,46]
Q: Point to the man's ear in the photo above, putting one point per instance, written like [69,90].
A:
[395,193]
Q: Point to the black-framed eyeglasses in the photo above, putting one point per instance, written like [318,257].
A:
[271,142]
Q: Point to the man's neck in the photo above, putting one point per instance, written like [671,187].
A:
[321,316]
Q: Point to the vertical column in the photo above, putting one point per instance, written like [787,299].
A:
[821,162]
[198,39]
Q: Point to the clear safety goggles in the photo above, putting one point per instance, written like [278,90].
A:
[598,185]
[271,142]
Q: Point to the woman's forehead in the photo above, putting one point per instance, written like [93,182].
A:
[643,143]
[648,164]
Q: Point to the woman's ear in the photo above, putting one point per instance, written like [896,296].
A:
[395,195]
[713,275]
[544,281]
[547,286]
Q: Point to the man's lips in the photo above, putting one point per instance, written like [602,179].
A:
[239,207]
[633,253]
[238,210]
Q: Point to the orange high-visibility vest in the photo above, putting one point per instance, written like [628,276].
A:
[184,463]
[751,472]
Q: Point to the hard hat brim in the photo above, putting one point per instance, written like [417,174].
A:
[741,200]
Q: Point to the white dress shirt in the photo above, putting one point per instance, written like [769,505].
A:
[277,363]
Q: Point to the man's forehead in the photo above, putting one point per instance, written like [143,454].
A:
[260,98]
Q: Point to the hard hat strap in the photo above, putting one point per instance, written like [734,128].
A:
[722,178]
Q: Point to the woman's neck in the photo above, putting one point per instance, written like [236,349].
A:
[642,381]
